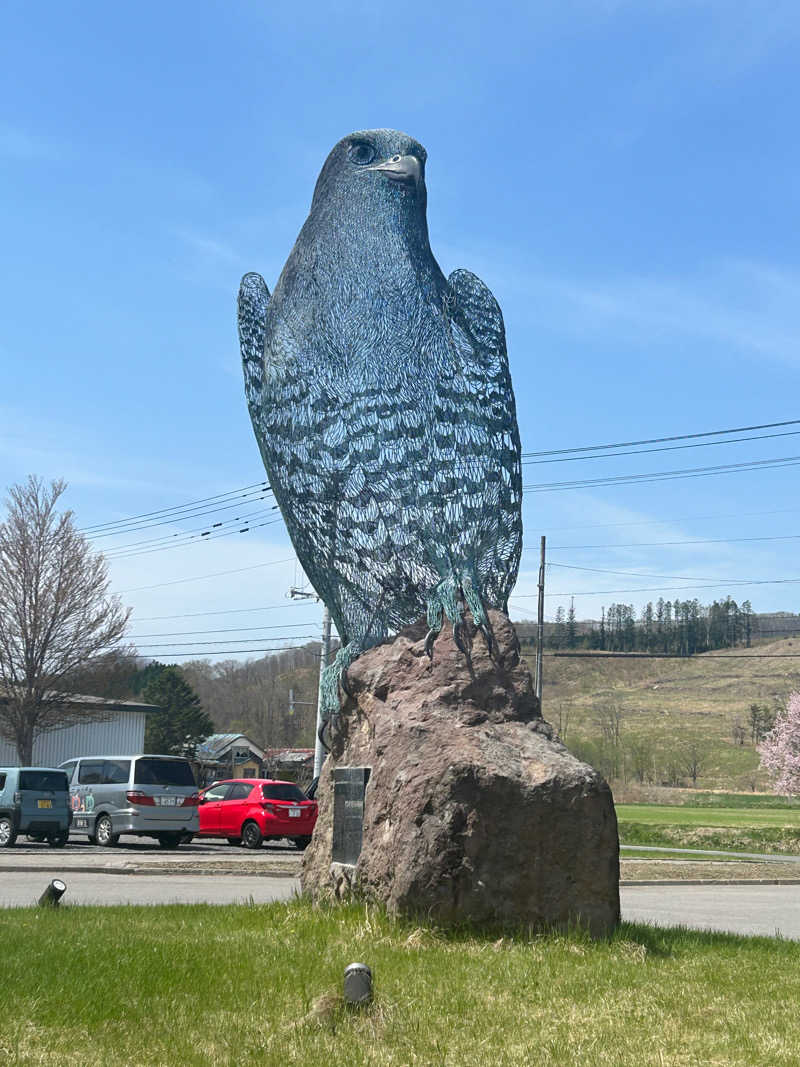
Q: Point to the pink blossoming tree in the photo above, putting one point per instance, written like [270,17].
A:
[780,749]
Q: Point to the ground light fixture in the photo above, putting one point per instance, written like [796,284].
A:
[357,984]
[53,894]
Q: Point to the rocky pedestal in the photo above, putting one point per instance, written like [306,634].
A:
[472,809]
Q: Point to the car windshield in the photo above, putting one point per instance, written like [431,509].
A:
[163,772]
[43,780]
[282,791]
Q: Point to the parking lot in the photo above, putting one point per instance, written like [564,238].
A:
[140,871]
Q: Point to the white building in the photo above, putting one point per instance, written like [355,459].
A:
[119,732]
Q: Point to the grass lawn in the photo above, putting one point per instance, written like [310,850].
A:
[259,985]
[766,830]
[698,799]
[684,815]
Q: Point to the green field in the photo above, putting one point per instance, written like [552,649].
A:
[201,985]
[670,815]
[774,830]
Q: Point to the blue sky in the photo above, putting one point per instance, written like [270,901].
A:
[622,175]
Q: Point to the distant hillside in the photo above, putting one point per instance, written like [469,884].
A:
[688,721]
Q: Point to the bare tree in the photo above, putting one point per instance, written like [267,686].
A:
[693,756]
[55,613]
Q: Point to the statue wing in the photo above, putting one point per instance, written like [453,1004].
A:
[491,452]
[252,314]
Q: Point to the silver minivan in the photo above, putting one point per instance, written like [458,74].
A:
[144,795]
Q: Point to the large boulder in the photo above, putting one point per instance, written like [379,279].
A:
[473,809]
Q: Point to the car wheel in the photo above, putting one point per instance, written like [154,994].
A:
[7,834]
[170,840]
[251,835]
[104,835]
[58,840]
[234,840]
[302,842]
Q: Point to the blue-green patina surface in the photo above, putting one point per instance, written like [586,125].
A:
[381,400]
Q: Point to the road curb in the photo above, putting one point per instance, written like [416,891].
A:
[714,881]
[65,872]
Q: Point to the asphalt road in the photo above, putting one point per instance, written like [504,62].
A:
[18,889]
[214,872]
[768,910]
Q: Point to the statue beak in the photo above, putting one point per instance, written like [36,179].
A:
[400,169]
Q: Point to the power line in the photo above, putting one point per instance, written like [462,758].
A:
[192,539]
[674,577]
[675,519]
[702,656]
[663,476]
[666,448]
[201,577]
[226,630]
[207,528]
[180,516]
[180,510]
[225,611]
[673,544]
[260,486]
[654,589]
[241,651]
[661,440]
[195,644]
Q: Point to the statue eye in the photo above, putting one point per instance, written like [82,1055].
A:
[361,153]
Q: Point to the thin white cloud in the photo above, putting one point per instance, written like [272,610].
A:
[16,143]
[747,306]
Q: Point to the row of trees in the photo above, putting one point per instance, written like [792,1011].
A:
[675,627]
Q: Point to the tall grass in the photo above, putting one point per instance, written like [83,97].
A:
[260,985]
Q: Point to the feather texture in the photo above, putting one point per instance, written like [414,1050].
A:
[382,403]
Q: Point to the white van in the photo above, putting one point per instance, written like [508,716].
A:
[146,796]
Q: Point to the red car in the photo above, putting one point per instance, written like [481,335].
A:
[250,810]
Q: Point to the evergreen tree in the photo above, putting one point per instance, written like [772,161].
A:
[560,629]
[572,632]
[181,724]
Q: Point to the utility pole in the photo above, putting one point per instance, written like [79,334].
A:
[540,628]
[319,750]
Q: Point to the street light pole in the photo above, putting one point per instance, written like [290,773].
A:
[325,653]
[319,751]
[540,626]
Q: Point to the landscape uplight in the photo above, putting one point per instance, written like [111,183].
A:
[53,894]
[357,984]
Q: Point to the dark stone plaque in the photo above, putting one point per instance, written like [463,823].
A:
[349,784]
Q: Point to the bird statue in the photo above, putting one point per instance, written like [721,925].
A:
[381,400]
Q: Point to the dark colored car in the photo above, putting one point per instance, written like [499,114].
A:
[34,801]
[250,810]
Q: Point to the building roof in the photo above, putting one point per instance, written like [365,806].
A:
[215,746]
[82,700]
[290,755]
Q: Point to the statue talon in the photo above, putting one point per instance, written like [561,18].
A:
[344,682]
[458,637]
[430,639]
[487,636]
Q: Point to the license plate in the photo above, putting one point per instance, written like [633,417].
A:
[166,802]
[81,824]
[294,813]
[45,803]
